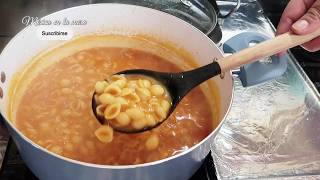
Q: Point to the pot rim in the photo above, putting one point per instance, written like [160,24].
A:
[101,166]
[215,19]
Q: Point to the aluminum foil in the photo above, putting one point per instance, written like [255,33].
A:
[272,130]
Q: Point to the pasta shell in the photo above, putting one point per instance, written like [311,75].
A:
[113,90]
[157,90]
[144,83]
[152,142]
[165,105]
[143,93]
[133,97]
[121,83]
[120,100]
[106,98]
[116,77]
[138,123]
[160,112]
[123,119]
[100,86]
[135,113]
[150,120]
[126,91]
[112,111]
[104,134]
[100,110]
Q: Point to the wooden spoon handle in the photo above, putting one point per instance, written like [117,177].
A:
[265,49]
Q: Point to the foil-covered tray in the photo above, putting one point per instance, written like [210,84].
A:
[272,130]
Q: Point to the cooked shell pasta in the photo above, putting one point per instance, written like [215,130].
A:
[100,86]
[131,102]
[143,93]
[121,83]
[152,142]
[123,119]
[126,91]
[160,112]
[165,105]
[100,109]
[144,83]
[132,84]
[106,98]
[138,123]
[112,111]
[157,90]
[133,97]
[113,90]
[117,77]
[104,134]
[150,120]
[135,113]
[120,100]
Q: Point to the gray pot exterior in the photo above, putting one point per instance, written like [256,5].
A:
[51,167]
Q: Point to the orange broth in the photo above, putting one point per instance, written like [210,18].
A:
[58,116]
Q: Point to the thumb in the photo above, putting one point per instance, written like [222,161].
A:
[309,22]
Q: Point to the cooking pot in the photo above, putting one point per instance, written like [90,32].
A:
[201,14]
[128,18]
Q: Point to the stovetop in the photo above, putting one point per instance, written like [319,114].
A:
[13,167]
[310,62]
[230,143]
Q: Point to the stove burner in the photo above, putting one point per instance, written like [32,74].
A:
[310,62]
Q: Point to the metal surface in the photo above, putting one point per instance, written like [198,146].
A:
[272,130]
[4,138]
[236,7]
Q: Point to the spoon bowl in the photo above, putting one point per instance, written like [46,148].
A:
[179,84]
[176,84]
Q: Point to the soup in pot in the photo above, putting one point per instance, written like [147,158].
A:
[55,111]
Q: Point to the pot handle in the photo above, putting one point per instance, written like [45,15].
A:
[259,71]
[215,6]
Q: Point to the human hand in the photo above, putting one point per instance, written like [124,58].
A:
[302,17]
